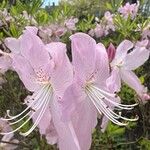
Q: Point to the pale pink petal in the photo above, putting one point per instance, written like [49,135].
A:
[32,29]
[83,54]
[114,81]
[62,75]
[136,58]
[132,81]
[5,63]
[34,51]
[67,137]
[25,72]
[122,50]
[79,109]
[13,44]
[102,64]
[84,122]
[51,134]
[44,122]
[104,124]
[73,95]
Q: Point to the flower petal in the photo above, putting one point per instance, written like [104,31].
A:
[51,134]
[34,51]
[83,54]
[102,64]
[122,50]
[62,75]
[114,81]
[132,81]
[13,44]
[73,95]
[84,123]
[25,72]
[5,63]
[67,138]
[44,122]
[32,29]
[136,58]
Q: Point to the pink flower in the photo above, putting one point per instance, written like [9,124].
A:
[123,64]
[46,71]
[51,33]
[4,127]
[108,16]
[129,9]
[89,95]
[70,23]
[99,31]
[108,22]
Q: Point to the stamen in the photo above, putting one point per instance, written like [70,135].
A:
[35,95]
[97,96]
[45,100]
[121,106]
[102,91]
[115,115]
[40,115]
[36,107]
[100,109]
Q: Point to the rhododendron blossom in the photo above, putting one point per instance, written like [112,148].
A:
[46,71]
[129,9]
[70,23]
[89,93]
[123,64]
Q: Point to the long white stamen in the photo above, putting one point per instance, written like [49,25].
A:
[45,100]
[40,115]
[35,108]
[121,106]
[36,96]
[113,113]
[100,109]
[98,96]
[102,91]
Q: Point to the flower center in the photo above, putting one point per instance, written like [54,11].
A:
[42,76]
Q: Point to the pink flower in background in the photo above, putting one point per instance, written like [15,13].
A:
[108,16]
[98,32]
[46,71]
[105,26]
[70,23]
[108,21]
[4,127]
[123,64]
[52,33]
[89,93]
[129,9]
